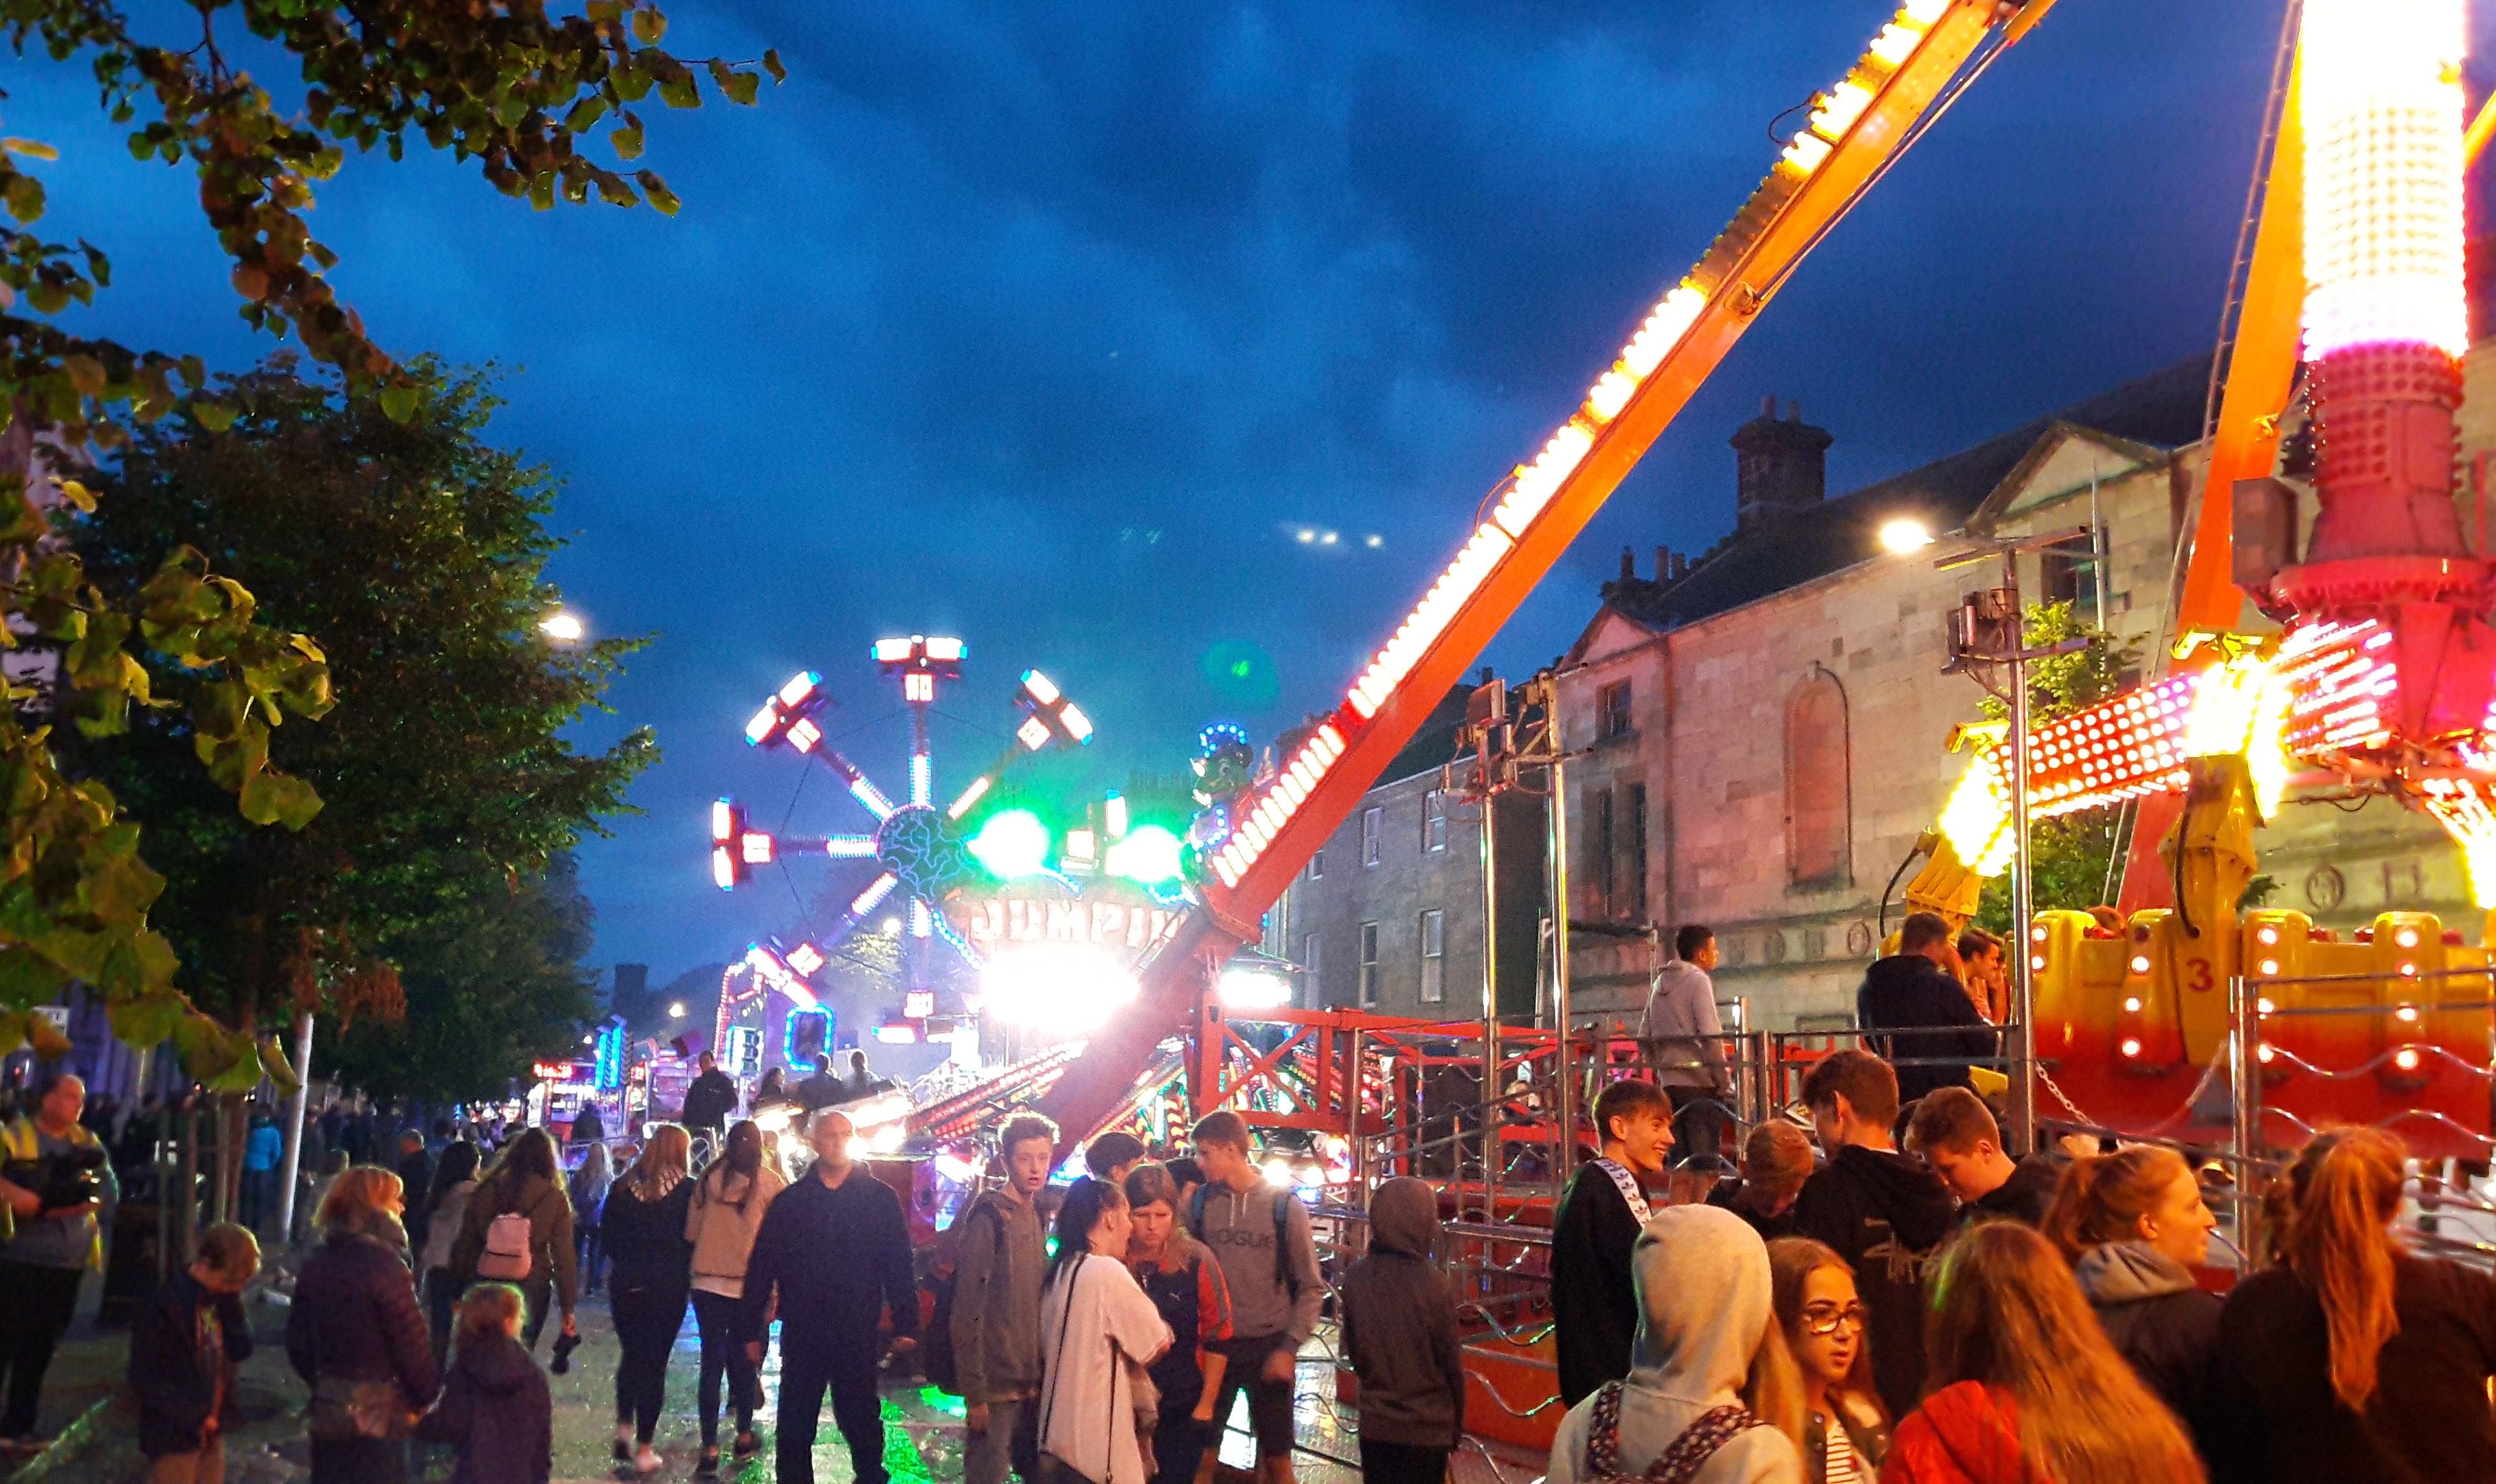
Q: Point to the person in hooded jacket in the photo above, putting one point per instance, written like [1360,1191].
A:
[496,1409]
[1880,1211]
[1399,1332]
[2352,1359]
[1709,1373]
[356,1336]
[2133,1225]
[1916,994]
[2024,1387]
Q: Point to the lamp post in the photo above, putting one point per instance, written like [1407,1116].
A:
[1989,629]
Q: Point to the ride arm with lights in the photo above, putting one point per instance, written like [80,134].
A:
[1927,52]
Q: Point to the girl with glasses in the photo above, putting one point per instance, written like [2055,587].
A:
[1846,1431]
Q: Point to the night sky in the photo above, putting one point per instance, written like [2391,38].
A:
[1054,325]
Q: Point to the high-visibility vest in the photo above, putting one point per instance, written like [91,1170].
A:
[21,1140]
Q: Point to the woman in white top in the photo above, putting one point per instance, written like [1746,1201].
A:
[1098,1331]
[727,1211]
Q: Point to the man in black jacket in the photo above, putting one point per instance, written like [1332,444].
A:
[1913,990]
[837,1249]
[184,1349]
[1594,1300]
[1881,1212]
[710,1099]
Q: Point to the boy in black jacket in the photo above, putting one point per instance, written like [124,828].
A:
[1881,1212]
[1594,1300]
[184,1349]
[1399,1331]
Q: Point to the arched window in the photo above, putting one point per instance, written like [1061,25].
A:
[1820,795]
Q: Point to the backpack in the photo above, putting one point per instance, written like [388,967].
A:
[509,1252]
[936,1359]
[1677,1464]
[1282,1273]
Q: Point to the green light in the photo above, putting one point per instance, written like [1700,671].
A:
[1011,843]
[1242,670]
[1150,855]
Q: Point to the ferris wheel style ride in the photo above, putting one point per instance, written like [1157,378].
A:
[919,847]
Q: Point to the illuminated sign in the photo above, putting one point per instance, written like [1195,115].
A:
[560,1071]
[1045,913]
[919,1005]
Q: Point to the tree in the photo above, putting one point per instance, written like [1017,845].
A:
[508,84]
[416,551]
[492,984]
[2070,856]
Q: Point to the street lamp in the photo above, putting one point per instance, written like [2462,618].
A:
[1905,535]
[677,1011]
[564,627]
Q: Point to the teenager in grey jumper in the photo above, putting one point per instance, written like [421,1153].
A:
[1001,1257]
[1274,1303]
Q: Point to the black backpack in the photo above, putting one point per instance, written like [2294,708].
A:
[936,1359]
[1282,1273]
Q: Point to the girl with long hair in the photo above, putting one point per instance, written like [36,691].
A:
[526,1181]
[454,1179]
[2133,1225]
[2021,1386]
[642,1228]
[589,1185]
[1098,1331]
[727,1211]
[2353,1358]
[496,1410]
[1710,1370]
[1846,1430]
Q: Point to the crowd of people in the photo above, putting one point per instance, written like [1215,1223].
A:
[1943,1314]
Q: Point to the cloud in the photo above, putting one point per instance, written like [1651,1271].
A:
[987,289]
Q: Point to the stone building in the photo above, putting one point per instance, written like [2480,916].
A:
[1765,723]
[1389,915]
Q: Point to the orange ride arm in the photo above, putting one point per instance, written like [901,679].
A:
[1854,131]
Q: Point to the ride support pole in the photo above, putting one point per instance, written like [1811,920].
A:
[291,1164]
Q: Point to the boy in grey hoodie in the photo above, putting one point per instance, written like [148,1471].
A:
[1270,1261]
[1399,1332]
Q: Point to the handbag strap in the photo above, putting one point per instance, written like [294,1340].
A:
[1690,1452]
[1057,1368]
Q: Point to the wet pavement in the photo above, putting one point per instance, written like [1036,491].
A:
[923,1427]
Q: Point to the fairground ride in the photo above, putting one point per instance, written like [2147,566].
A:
[923,853]
[2369,659]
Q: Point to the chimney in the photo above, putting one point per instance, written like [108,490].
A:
[1781,464]
[1629,565]
[1664,564]
[1680,567]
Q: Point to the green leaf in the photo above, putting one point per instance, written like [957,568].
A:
[680,91]
[742,87]
[85,373]
[24,197]
[661,198]
[77,495]
[27,980]
[274,1065]
[627,139]
[398,401]
[215,416]
[145,1019]
[585,114]
[772,65]
[649,25]
[271,797]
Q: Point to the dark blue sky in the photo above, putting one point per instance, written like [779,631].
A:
[1050,325]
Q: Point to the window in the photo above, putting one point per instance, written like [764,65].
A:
[1629,830]
[1598,805]
[1373,827]
[2070,575]
[1819,796]
[1612,710]
[1434,957]
[1317,863]
[1311,992]
[1368,965]
[1434,821]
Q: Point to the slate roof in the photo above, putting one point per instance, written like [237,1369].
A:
[1786,549]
